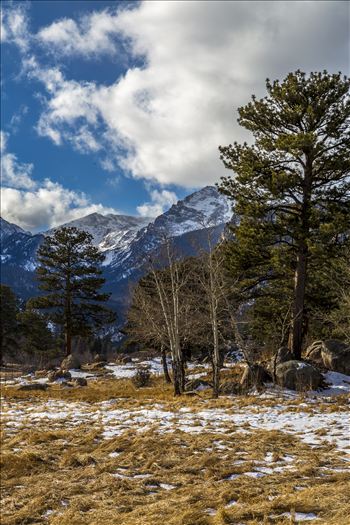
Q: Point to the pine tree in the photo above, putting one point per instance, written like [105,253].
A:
[37,339]
[8,315]
[70,273]
[291,188]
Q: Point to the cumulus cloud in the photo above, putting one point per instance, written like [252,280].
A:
[164,121]
[91,36]
[49,205]
[38,205]
[14,173]
[160,201]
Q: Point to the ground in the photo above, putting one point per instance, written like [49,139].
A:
[109,453]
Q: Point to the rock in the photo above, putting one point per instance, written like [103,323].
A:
[98,358]
[336,356]
[282,355]
[332,354]
[95,366]
[33,386]
[314,352]
[297,375]
[80,381]
[71,361]
[58,374]
[40,374]
[255,375]
[197,384]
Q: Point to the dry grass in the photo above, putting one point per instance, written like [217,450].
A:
[66,476]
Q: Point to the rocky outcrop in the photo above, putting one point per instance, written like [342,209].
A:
[71,361]
[297,375]
[332,354]
[56,375]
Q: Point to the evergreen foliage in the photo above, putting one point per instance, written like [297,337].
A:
[291,191]
[9,327]
[71,276]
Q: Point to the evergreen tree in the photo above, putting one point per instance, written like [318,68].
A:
[291,187]
[70,273]
[8,315]
[36,337]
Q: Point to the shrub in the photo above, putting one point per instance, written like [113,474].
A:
[142,377]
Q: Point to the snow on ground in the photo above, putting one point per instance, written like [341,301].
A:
[311,425]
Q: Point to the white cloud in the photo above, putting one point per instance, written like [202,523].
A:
[14,26]
[13,172]
[160,201]
[47,206]
[164,121]
[93,35]
[38,205]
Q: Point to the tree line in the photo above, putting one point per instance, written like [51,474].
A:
[279,276]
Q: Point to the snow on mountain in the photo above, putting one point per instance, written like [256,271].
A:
[108,231]
[8,228]
[126,241]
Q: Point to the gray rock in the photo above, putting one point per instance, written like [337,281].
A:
[71,361]
[254,375]
[297,375]
[80,381]
[58,374]
[314,352]
[336,356]
[33,386]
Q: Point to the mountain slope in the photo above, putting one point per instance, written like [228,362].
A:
[126,241]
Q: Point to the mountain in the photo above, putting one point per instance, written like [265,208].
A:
[126,241]
[7,229]
[109,231]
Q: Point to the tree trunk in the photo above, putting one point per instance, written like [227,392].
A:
[297,330]
[177,377]
[68,341]
[165,365]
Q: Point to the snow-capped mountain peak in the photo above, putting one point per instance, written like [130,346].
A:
[108,231]
[8,228]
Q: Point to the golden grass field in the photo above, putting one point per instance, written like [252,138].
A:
[113,454]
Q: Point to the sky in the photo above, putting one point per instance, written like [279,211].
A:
[119,107]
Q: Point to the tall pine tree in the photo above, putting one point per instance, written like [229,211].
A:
[291,187]
[70,273]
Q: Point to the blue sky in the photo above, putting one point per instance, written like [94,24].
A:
[120,106]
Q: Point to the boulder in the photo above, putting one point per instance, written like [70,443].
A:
[331,354]
[297,375]
[314,353]
[282,355]
[39,374]
[58,374]
[80,381]
[33,386]
[71,361]
[254,375]
[336,356]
